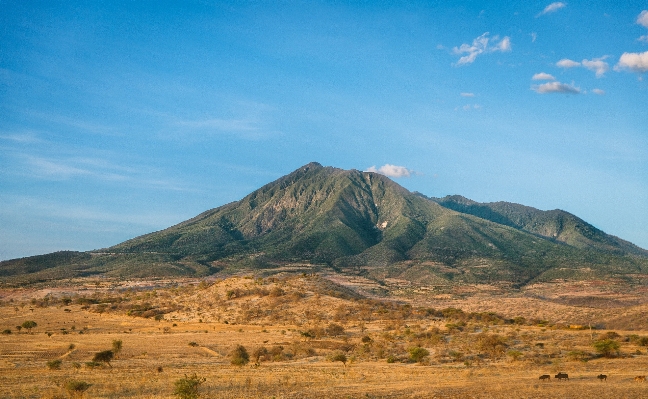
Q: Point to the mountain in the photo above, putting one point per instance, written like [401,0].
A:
[556,225]
[359,223]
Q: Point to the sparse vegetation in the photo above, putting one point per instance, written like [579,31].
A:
[76,389]
[188,387]
[104,357]
[239,356]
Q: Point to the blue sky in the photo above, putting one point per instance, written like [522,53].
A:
[122,118]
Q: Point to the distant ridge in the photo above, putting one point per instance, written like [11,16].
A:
[359,223]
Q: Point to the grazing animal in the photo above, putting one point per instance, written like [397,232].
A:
[561,376]
[602,377]
[640,378]
[545,377]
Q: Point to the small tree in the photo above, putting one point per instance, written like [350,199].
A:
[607,347]
[239,356]
[514,354]
[76,389]
[339,357]
[187,388]
[28,325]
[418,354]
[104,357]
[54,364]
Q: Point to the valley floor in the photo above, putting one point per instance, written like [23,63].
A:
[199,339]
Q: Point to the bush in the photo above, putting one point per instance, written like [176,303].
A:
[92,365]
[187,388]
[117,346]
[261,352]
[76,388]
[239,356]
[334,330]
[339,357]
[6,332]
[54,364]
[607,347]
[418,354]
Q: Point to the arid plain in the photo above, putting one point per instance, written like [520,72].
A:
[317,336]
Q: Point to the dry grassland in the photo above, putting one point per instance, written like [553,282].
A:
[295,319]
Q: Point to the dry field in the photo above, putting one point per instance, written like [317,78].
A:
[303,323]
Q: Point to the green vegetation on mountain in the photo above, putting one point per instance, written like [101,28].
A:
[361,223]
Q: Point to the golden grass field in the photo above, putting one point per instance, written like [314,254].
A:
[292,318]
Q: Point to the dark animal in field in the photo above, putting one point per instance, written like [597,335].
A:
[561,376]
[640,378]
[545,377]
[602,377]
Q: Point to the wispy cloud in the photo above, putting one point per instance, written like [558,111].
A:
[391,171]
[22,138]
[597,65]
[96,169]
[481,45]
[553,7]
[635,62]
[643,39]
[567,63]
[642,19]
[598,91]
[543,76]
[555,87]
[467,94]
[469,107]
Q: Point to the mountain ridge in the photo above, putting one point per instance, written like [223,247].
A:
[360,223]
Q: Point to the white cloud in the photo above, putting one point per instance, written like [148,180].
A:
[636,62]
[643,38]
[553,7]
[481,45]
[391,171]
[505,44]
[534,36]
[598,91]
[567,63]
[597,65]
[467,94]
[542,76]
[642,19]
[555,87]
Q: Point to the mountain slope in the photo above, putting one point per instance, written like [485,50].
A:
[361,223]
[557,225]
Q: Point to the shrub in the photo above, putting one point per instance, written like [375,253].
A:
[117,346]
[493,344]
[92,365]
[104,357]
[239,356]
[192,343]
[334,330]
[187,387]
[607,347]
[54,364]
[76,388]
[366,339]
[339,357]
[514,354]
[261,352]
[418,354]
[6,332]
